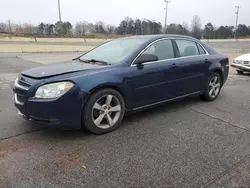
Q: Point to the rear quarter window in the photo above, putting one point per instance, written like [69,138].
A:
[201,50]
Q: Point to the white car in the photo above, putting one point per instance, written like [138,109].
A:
[242,63]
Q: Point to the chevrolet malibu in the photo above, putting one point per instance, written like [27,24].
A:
[96,89]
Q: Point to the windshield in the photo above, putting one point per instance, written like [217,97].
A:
[114,51]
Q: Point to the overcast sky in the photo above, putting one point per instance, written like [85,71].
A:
[219,12]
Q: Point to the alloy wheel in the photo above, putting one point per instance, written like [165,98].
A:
[106,111]
[214,87]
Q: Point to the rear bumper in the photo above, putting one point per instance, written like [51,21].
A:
[241,67]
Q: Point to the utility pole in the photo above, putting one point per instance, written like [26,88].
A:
[153,21]
[9,29]
[209,32]
[59,10]
[236,25]
[166,14]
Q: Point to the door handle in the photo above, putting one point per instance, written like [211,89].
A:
[207,61]
[174,65]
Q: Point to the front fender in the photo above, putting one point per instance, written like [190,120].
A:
[90,83]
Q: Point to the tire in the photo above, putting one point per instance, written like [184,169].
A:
[99,115]
[207,96]
[240,72]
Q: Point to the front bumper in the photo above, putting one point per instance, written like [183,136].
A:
[64,112]
[241,67]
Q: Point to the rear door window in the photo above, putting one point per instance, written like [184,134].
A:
[187,48]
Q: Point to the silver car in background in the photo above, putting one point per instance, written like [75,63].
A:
[242,63]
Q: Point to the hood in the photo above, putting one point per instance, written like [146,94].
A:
[245,57]
[59,69]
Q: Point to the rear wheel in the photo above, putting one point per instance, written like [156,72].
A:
[240,72]
[104,111]
[213,87]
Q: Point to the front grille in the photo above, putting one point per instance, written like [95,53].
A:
[246,62]
[23,83]
[22,86]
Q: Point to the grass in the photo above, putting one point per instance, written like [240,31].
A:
[48,40]
[43,48]
[38,47]
[225,40]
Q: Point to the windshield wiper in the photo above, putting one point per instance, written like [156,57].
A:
[91,61]
[79,59]
[97,61]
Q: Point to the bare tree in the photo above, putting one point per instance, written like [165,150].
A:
[110,29]
[90,28]
[3,27]
[196,27]
[30,30]
[185,28]
[81,28]
[100,27]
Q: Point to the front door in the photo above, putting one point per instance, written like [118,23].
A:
[151,82]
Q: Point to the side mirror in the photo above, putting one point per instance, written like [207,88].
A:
[146,58]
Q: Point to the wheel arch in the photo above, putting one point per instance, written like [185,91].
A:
[220,73]
[115,87]
[109,86]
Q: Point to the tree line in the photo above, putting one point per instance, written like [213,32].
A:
[127,26]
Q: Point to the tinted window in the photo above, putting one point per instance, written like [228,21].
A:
[162,49]
[187,48]
[201,50]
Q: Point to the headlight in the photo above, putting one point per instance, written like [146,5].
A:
[53,90]
[238,61]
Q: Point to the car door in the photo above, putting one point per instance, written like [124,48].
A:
[191,68]
[150,82]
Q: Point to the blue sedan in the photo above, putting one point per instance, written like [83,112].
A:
[96,89]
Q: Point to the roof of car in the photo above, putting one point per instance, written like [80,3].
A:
[150,38]
[160,36]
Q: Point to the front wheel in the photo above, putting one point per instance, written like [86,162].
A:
[213,87]
[240,72]
[104,111]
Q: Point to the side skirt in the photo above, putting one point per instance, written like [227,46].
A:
[168,100]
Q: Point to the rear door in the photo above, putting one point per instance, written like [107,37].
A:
[192,66]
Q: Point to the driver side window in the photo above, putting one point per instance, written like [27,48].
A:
[163,50]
